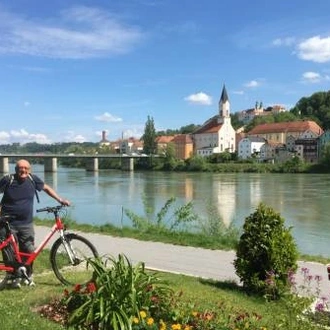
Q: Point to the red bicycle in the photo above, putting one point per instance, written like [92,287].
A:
[69,254]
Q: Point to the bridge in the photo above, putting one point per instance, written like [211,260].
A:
[50,160]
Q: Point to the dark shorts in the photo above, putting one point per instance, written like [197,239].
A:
[25,236]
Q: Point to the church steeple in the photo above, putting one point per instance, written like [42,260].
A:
[224,104]
[224,96]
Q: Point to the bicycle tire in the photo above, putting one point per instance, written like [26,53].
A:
[6,258]
[80,273]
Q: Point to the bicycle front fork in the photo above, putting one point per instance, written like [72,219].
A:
[69,250]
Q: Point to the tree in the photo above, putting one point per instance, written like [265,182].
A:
[149,137]
[316,107]
[325,159]
[170,161]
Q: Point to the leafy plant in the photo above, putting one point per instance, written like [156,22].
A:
[180,215]
[119,292]
[266,253]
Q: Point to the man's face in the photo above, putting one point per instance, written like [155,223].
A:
[23,169]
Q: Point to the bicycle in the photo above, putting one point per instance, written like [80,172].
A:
[69,254]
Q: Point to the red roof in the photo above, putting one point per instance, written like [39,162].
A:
[211,126]
[183,138]
[164,138]
[287,127]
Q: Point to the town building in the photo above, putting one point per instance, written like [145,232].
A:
[104,141]
[272,151]
[280,132]
[130,146]
[216,135]
[184,146]
[182,143]
[161,143]
[250,147]
[288,139]
[323,140]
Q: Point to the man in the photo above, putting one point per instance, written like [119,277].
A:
[18,191]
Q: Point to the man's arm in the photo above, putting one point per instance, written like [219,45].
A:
[52,193]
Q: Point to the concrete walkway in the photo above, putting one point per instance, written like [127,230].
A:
[210,264]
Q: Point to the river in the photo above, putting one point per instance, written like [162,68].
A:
[100,197]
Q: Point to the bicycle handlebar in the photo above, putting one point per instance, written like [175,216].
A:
[51,209]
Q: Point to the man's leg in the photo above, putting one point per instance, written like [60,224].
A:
[25,237]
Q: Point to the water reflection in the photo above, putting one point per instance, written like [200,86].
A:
[225,199]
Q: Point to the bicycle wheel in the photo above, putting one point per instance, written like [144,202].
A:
[6,258]
[80,272]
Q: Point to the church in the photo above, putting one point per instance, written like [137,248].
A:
[216,135]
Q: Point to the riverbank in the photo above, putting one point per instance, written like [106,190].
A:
[191,261]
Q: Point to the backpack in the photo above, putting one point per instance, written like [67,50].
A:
[10,178]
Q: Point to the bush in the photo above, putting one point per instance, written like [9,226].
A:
[266,253]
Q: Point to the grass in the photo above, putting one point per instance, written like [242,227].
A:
[215,242]
[18,307]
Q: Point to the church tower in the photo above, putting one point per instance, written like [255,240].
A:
[224,106]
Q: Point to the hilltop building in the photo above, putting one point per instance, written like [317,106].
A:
[216,135]
[246,116]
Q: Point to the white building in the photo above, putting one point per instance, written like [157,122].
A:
[250,146]
[217,134]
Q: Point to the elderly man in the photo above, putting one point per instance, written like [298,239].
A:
[19,190]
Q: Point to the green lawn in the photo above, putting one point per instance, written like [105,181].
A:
[18,306]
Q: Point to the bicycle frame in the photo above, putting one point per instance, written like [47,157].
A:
[24,258]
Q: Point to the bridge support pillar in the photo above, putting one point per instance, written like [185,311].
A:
[92,165]
[4,165]
[127,164]
[50,164]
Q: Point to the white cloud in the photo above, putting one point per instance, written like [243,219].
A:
[4,137]
[199,98]
[22,136]
[252,84]
[315,49]
[78,138]
[79,32]
[107,117]
[238,92]
[313,77]
[72,136]
[136,133]
[288,41]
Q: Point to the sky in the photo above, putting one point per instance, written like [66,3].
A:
[72,69]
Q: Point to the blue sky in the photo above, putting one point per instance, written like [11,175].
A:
[71,69]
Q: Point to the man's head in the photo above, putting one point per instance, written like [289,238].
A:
[22,169]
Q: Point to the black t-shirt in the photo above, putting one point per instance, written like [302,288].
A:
[18,197]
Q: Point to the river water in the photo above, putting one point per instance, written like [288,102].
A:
[98,198]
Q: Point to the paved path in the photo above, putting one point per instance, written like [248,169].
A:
[212,264]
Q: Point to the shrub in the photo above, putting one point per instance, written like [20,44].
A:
[266,253]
